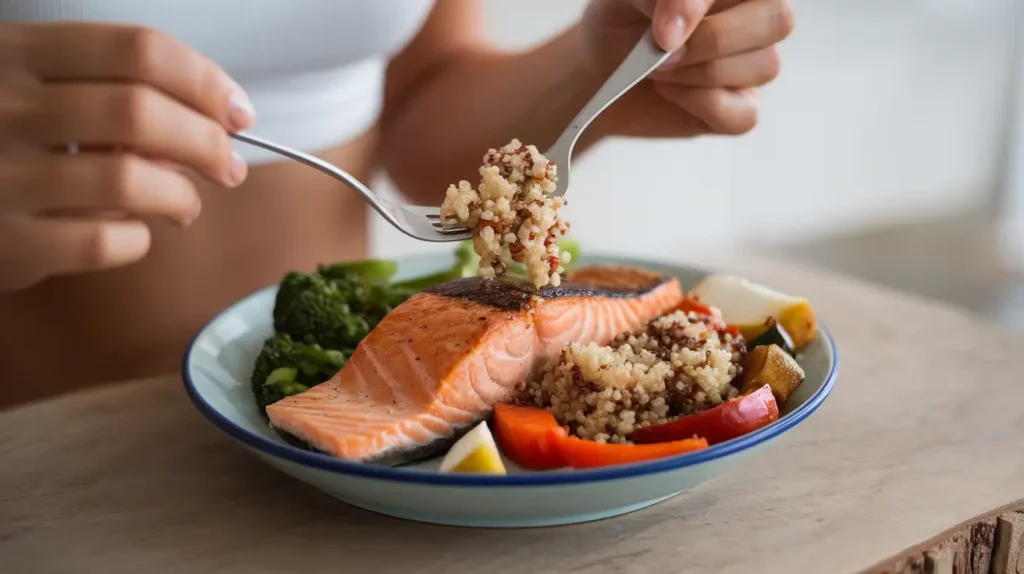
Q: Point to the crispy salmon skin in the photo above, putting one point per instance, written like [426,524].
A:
[438,363]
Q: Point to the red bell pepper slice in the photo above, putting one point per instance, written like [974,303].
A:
[733,418]
[532,438]
[691,304]
[528,435]
[581,453]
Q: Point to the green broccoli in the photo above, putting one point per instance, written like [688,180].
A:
[337,305]
[312,309]
[467,264]
[369,270]
[573,247]
[287,367]
[365,295]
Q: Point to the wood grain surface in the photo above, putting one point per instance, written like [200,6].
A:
[924,433]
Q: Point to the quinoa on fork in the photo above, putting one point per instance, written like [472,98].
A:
[511,214]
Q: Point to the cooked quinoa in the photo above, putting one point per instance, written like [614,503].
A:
[511,214]
[679,364]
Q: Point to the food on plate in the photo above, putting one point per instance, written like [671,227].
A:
[529,435]
[438,362]
[532,437]
[675,364]
[774,334]
[467,264]
[616,364]
[581,453]
[475,452]
[691,304]
[511,214]
[750,307]
[337,305]
[733,418]
[769,365]
[287,367]
[319,318]
[333,308]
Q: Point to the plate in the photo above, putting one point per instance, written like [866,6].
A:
[219,362]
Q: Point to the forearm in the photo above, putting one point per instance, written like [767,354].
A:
[480,100]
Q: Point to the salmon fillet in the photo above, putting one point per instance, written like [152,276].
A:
[436,365]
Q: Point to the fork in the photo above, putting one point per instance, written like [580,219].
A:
[417,222]
[643,59]
[424,223]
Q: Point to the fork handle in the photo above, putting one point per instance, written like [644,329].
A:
[307,159]
[643,59]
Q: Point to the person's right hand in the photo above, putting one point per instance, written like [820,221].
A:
[139,105]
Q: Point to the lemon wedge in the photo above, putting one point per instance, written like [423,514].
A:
[748,305]
[475,452]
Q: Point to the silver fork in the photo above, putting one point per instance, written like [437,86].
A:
[415,221]
[643,59]
[425,222]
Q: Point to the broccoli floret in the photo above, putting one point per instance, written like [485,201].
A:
[312,309]
[287,367]
[336,306]
[366,285]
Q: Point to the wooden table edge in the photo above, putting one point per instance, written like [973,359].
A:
[991,543]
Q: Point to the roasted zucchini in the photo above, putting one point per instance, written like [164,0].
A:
[769,364]
[774,334]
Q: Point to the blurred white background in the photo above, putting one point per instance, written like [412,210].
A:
[886,112]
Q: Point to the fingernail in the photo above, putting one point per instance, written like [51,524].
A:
[196,209]
[238,169]
[672,31]
[240,111]
[126,242]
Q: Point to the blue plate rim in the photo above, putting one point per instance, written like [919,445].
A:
[427,477]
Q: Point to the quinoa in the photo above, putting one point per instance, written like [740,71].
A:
[678,364]
[511,214]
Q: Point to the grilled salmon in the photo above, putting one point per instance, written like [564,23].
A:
[437,363]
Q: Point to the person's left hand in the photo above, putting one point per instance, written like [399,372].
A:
[724,51]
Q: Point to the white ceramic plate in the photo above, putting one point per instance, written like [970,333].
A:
[219,362]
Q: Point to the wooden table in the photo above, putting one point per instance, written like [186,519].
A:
[905,468]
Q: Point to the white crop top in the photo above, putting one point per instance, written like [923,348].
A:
[314,69]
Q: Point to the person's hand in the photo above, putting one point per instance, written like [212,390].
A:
[136,107]
[724,50]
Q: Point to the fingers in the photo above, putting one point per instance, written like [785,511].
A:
[725,111]
[749,26]
[34,248]
[107,183]
[748,69]
[723,5]
[674,20]
[130,53]
[136,117]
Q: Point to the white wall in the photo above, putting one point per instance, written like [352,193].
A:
[884,110]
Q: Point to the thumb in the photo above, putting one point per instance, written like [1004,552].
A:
[674,20]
